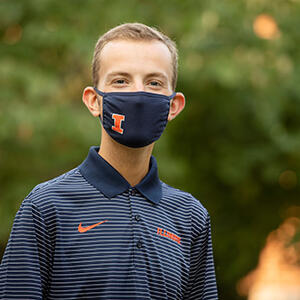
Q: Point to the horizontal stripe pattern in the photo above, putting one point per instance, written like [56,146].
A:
[124,258]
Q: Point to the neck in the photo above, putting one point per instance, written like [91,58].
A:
[131,163]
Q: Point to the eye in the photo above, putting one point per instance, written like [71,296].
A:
[119,81]
[154,83]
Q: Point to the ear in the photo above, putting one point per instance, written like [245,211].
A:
[176,106]
[92,101]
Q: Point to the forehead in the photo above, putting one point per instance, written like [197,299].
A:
[136,57]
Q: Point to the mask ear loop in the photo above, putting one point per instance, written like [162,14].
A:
[101,94]
[170,99]
[172,96]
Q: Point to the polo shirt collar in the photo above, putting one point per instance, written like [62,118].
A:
[98,172]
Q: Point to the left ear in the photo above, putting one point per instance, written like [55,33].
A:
[176,106]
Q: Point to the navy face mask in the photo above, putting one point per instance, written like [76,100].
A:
[134,119]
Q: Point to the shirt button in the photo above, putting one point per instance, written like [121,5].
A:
[139,244]
[133,192]
[137,217]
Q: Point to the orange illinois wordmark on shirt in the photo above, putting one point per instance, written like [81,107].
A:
[169,235]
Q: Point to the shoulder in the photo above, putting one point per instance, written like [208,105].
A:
[42,193]
[198,212]
[39,208]
[182,196]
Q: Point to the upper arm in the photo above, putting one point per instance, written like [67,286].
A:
[202,280]
[26,263]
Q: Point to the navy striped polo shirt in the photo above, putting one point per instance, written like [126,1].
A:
[87,234]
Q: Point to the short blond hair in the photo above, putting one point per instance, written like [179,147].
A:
[136,32]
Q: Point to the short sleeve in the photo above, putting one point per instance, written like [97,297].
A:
[202,280]
[26,264]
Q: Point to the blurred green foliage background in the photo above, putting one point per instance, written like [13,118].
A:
[236,146]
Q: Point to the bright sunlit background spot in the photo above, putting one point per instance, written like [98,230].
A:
[277,276]
[266,27]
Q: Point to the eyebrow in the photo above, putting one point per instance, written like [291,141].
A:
[113,74]
[157,74]
[118,73]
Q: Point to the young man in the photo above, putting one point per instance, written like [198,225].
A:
[110,229]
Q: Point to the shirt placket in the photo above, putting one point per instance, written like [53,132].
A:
[136,220]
